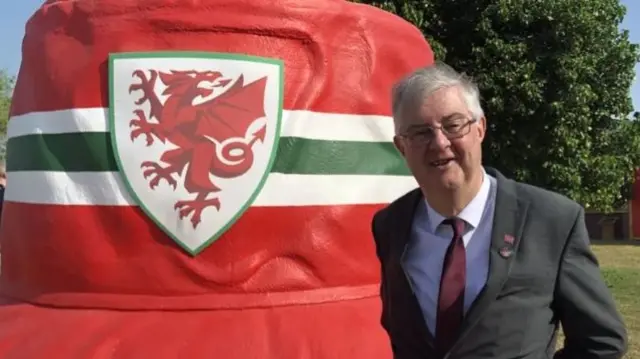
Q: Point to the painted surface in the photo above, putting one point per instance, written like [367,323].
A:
[294,275]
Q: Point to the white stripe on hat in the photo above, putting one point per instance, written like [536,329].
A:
[303,124]
[107,188]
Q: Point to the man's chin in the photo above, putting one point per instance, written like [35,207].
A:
[445,182]
[451,179]
[451,184]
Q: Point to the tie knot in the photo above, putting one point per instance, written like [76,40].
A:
[457,224]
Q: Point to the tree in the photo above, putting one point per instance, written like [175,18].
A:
[555,76]
[6,89]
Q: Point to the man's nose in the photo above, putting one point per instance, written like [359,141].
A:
[439,140]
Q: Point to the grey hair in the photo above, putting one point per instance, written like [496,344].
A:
[409,92]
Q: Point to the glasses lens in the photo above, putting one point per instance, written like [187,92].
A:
[456,128]
[453,128]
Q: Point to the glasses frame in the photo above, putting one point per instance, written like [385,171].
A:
[464,130]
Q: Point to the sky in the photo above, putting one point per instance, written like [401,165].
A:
[15,14]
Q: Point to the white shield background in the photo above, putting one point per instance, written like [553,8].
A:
[236,193]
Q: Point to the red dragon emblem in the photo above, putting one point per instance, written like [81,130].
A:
[211,137]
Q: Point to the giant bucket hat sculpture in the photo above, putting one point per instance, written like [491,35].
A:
[197,179]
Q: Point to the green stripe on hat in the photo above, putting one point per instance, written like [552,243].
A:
[92,152]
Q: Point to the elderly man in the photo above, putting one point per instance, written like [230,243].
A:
[475,265]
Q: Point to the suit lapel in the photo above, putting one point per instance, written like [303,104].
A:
[401,235]
[508,223]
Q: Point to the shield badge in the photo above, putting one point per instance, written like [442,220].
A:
[195,136]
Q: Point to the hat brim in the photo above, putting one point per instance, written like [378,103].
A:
[335,330]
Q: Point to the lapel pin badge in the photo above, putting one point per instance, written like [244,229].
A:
[506,252]
[508,239]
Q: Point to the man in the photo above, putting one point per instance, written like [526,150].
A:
[475,265]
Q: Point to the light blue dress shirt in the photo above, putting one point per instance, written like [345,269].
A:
[424,256]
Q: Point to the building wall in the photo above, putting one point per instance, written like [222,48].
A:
[596,221]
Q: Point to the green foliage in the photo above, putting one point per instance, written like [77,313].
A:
[6,89]
[555,77]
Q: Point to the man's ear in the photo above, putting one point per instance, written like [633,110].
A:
[397,141]
[482,128]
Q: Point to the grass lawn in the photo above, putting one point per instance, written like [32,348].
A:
[620,266]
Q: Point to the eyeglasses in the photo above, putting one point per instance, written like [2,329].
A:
[452,129]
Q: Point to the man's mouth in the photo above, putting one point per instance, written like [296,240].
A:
[441,163]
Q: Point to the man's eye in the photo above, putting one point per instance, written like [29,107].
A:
[452,126]
[424,134]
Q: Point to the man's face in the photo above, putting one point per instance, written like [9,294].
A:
[443,161]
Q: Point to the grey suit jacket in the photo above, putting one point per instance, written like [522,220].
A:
[541,273]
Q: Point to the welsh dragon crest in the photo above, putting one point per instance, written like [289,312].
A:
[205,127]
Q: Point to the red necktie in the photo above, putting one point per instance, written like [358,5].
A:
[452,283]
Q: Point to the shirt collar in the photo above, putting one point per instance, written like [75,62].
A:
[471,214]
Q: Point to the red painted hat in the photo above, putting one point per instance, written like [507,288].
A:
[197,179]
